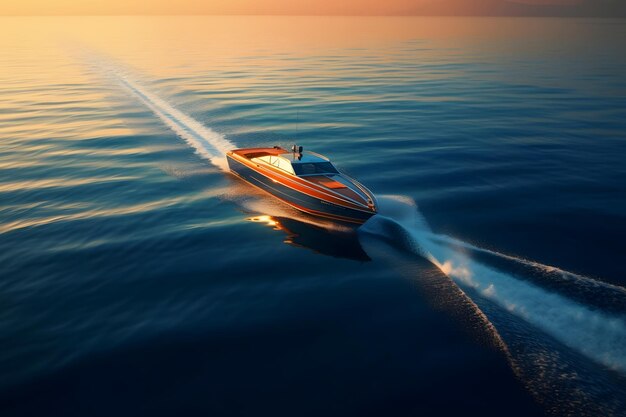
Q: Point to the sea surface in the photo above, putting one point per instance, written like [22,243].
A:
[138,277]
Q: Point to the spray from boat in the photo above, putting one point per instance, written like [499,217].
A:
[596,334]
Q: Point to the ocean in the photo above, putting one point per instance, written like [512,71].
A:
[139,277]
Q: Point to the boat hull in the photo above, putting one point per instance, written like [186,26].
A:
[298,199]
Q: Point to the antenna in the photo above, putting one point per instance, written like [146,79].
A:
[297,121]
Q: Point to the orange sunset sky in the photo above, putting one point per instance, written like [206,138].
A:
[316,7]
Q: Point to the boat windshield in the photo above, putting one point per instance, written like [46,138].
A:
[276,161]
[314,168]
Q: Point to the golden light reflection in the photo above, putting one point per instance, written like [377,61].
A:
[275,225]
[339,243]
[268,220]
[59,183]
[141,208]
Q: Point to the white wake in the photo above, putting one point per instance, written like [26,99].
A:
[207,143]
[599,335]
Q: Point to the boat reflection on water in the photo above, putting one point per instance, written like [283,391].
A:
[342,243]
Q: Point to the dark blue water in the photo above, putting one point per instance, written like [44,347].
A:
[137,277]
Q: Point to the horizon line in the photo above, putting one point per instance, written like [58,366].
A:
[568,15]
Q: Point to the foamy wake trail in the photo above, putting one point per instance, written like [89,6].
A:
[207,142]
[599,335]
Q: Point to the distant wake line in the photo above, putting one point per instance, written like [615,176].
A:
[207,142]
[596,334]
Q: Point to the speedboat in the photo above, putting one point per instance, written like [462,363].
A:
[306,181]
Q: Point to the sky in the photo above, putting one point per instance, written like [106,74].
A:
[608,8]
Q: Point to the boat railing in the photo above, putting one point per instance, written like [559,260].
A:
[367,192]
